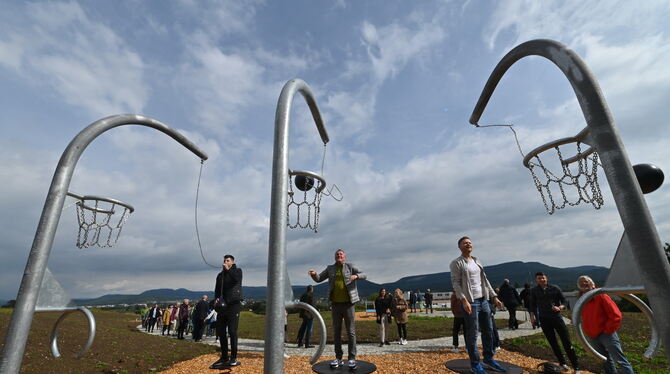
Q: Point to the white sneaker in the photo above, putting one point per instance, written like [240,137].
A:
[400,342]
[404,341]
[335,363]
[351,364]
[565,368]
[578,372]
[455,350]
[286,356]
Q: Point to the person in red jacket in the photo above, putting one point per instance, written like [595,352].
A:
[601,318]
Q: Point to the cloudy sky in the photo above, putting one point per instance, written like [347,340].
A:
[396,82]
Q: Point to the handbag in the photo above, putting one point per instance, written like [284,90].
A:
[549,368]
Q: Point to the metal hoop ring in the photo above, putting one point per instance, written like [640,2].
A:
[98,198]
[310,174]
[54,333]
[581,137]
[626,293]
[322,324]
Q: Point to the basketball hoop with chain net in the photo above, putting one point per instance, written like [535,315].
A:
[304,205]
[564,181]
[100,220]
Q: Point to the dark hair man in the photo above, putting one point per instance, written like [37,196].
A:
[472,287]
[510,297]
[305,330]
[429,300]
[601,319]
[548,301]
[228,304]
[343,294]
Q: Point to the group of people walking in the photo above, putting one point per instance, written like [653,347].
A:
[175,316]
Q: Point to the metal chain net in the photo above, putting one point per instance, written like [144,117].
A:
[584,181]
[303,206]
[99,228]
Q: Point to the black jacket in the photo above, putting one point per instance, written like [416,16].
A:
[201,310]
[541,300]
[382,304]
[228,288]
[306,298]
[509,296]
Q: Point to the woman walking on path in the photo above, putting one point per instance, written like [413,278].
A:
[399,311]
[166,320]
[383,310]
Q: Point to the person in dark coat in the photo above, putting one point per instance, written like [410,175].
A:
[305,330]
[429,300]
[199,315]
[183,319]
[525,298]
[228,304]
[412,302]
[383,312]
[511,300]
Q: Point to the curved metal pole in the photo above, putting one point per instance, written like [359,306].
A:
[17,333]
[645,243]
[315,314]
[273,362]
[624,292]
[54,332]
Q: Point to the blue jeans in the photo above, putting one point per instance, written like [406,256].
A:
[305,330]
[609,346]
[480,317]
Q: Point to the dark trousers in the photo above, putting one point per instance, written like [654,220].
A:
[429,305]
[552,325]
[513,324]
[198,326]
[151,325]
[402,330]
[344,312]
[459,323]
[226,322]
[305,331]
[183,323]
[166,326]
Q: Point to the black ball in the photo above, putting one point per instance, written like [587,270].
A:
[650,177]
[303,183]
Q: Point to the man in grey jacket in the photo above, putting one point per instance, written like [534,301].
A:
[343,295]
[472,287]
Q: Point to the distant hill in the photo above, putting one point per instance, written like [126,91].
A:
[517,272]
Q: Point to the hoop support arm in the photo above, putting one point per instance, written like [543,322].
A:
[19,326]
[315,314]
[626,293]
[647,249]
[274,324]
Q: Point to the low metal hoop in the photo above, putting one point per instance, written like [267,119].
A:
[54,332]
[315,313]
[626,293]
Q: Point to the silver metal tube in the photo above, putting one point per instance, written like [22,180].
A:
[625,292]
[646,245]
[19,326]
[322,325]
[274,321]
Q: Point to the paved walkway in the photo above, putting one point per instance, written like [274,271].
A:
[253,345]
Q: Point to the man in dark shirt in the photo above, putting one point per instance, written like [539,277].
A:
[548,301]
[307,318]
[511,299]
[228,304]
[429,300]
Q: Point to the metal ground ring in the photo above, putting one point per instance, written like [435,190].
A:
[54,333]
[626,293]
[322,324]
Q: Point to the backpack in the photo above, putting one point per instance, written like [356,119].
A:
[549,368]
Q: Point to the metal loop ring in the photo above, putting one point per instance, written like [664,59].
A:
[310,174]
[54,333]
[626,293]
[315,313]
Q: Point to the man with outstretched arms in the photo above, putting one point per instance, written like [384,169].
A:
[473,289]
[343,295]
[228,304]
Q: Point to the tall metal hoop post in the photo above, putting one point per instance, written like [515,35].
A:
[22,317]
[646,245]
[274,320]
